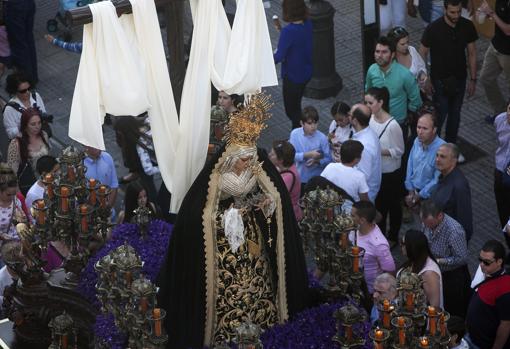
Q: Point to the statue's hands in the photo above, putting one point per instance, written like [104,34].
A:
[263,203]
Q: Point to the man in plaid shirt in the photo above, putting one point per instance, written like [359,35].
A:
[447,242]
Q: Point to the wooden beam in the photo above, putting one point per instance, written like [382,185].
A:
[82,15]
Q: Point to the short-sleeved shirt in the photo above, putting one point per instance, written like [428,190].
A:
[501,41]
[350,179]
[102,169]
[448,47]
[488,307]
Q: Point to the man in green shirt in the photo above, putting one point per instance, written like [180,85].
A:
[403,88]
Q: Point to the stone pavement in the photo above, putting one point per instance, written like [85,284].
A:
[58,69]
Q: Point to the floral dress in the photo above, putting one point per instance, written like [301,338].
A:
[7,223]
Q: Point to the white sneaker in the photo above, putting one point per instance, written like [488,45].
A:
[461,159]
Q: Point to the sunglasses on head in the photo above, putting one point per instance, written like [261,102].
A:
[485,262]
[400,32]
[24,90]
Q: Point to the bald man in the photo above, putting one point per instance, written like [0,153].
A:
[370,163]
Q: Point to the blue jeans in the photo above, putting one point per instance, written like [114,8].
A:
[448,108]
[19,21]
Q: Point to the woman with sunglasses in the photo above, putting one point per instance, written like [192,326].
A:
[420,261]
[18,87]
[409,57]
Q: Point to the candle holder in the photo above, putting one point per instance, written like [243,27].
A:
[385,309]
[142,218]
[379,336]
[347,318]
[40,212]
[248,336]
[49,184]
[402,334]
[437,329]
[158,336]
[91,186]
[423,342]
[63,332]
[65,199]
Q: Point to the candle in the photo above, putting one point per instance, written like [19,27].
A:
[71,175]
[48,180]
[84,222]
[64,341]
[64,204]
[343,240]
[329,214]
[442,324]
[102,196]
[386,313]
[355,260]
[378,334]
[156,313]
[143,305]
[92,195]
[41,215]
[424,342]
[401,331]
[409,301]
[129,278]
[348,333]
[432,320]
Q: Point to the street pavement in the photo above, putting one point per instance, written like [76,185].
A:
[58,70]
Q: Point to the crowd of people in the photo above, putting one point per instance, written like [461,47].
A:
[387,153]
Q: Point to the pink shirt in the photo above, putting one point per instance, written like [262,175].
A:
[378,258]
[293,184]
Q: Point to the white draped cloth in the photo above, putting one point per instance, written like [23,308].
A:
[123,71]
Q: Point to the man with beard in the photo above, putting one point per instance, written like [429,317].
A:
[447,39]
[403,88]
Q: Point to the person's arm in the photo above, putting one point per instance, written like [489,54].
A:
[409,172]
[501,335]
[414,101]
[284,42]
[146,162]
[396,150]
[13,155]
[326,152]
[426,191]
[11,117]
[113,197]
[471,49]
[505,27]
[463,208]
[432,288]
[75,47]
[40,102]
[458,246]
[368,79]
[385,259]
[300,154]
[424,52]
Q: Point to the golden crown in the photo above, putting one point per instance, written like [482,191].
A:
[245,125]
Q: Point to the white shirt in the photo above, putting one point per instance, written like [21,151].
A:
[393,140]
[348,178]
[12,117]
[5,280]
[370,163]
[35,192]
[341,133]
[417,63]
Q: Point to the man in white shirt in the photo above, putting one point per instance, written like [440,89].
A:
[370,163]
[44,165]
[344,175]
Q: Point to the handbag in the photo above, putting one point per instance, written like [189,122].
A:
[26,177]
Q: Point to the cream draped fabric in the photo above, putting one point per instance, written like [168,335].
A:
[123,71]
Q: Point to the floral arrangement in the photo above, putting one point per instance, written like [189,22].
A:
[312,328]
[152,251]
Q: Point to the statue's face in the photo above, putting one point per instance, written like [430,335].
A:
[242,164]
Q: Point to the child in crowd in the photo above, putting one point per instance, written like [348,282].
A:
[340,128]
[457,329]
[344,175]
[282,156]
[136,196]
[377,258]
[311,145]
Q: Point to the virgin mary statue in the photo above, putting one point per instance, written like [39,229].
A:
[235,254]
